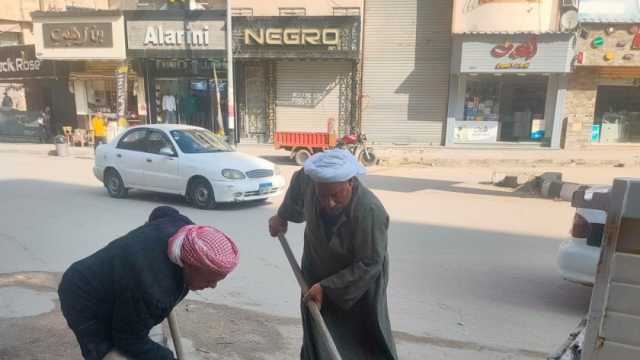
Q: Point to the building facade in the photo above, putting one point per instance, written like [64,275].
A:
[180,60]
[92,45]
[296,73]
[509,76]
[602,99]
[405,72]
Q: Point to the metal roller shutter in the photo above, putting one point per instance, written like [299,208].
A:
[308,94]
[406,70]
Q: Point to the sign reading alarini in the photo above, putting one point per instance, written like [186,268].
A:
[519,54]
[292,36]
[96,35]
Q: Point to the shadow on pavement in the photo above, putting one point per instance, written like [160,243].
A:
[409,185]
[280,160]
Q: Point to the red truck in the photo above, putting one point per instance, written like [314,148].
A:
[303,144]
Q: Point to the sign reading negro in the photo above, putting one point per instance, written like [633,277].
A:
[20,61]
[77,35]
[293,36]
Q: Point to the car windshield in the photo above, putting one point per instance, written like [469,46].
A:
[198,141]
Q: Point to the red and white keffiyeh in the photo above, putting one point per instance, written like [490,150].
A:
[204,247]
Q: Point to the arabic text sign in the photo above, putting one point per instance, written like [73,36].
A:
[78,35]
[546,53]
[121,90]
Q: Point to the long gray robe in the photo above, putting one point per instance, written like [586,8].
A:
[352,267]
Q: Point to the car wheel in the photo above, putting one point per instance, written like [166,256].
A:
[114,184]
[301,156]
[201,194]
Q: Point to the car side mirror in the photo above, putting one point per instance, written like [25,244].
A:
[167,151]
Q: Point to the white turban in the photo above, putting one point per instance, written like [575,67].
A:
[333,166]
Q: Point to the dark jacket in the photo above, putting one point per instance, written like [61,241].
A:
[125,289]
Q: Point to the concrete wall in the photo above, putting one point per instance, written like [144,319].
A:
[20,10]
[505,15]
[580,106]
[617,42]
[313,7]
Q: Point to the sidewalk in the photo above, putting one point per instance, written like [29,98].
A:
[508,158]
[431,157]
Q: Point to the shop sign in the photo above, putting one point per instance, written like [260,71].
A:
[157,36]
[20,61]
[296,37]
[185,67]
[77,35]
[291,36]
[121,90]
[476,131]
[175,35]
[517,53]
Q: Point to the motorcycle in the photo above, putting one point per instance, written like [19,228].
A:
[357,145]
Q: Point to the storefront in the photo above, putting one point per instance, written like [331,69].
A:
[505,89]
[181,56]
[603,101]
[295,74]
[28,86]
[92,45]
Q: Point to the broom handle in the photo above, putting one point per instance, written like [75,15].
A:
[312,306]
[175,335]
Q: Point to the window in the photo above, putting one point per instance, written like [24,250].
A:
[133,140]
[292,11]
[617,115]
[158,141]
[10,38]
[346,11]
[242,11]
[199,141]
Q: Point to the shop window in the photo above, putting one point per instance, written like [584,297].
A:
[242,11]
[101,96]
[512,105]
[617,115]
[293,11]
[346,11]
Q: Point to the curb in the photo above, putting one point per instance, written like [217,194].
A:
[552,187]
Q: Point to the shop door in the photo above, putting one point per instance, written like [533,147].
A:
[308,94]
[196,104]
[522,108]
[256,101]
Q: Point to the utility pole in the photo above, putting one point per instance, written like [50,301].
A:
[231,107]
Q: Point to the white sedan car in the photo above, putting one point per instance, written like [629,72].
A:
[184,160]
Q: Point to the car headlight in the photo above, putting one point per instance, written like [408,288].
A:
[233,174]
[277,170]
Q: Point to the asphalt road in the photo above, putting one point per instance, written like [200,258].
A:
[473,272]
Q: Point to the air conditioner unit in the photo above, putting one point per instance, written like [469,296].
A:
[570,4]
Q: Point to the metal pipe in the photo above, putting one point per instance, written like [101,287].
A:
[313,307]
[231,105]
[175,335]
